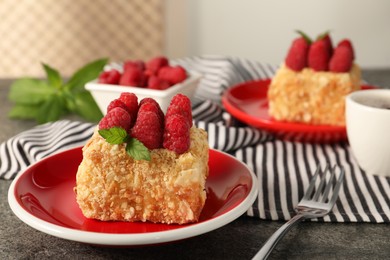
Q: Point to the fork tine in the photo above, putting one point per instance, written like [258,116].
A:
[330,184]
[312,184]
[322,183]
[338,185]
[308,208]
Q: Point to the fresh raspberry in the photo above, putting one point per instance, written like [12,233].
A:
[131,102]
[328,43]
[173,75]
[109,77]
[155,82]
[147,129]
[148,100]
[347,43]
[116,103]
[137,64]
[151,105]
[318,57]
[296,58]
[176,134]
[116,117]
[133,76]
[180,104]
[342,59]
[155,64]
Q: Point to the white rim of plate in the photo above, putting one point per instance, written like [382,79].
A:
[98,238]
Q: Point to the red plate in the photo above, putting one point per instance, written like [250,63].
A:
[43,197]
[248,103]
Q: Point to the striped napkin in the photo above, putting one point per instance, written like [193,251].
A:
[283,168]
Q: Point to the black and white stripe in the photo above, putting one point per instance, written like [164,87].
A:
[219,73]
[30,146]
[283,168]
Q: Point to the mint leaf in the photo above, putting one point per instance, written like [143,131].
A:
[134,148]
[50,99]
[70,100]
[53,76]
[114,135]
[137,150]
[322,35]
[29,91]
[52,109]
[87,73]
[305,36]
[86,107]
[20,111]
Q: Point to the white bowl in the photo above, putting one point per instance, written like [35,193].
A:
[105,93]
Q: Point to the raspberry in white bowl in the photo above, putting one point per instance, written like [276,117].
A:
[157,78]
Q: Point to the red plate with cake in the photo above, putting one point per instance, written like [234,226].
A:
[248,103]
[43,197]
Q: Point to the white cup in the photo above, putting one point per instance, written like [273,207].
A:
[368,129]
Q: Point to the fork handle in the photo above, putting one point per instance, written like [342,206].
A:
[276,237]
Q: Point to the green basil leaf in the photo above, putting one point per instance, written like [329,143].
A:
[24,112]
[52,109]
[87,73]
[29,91]
[137,150]
[114,135]
[86,107]
[53,76]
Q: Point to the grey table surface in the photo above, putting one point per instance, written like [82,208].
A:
[240,239]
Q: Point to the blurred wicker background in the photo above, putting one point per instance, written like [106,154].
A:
[67,34]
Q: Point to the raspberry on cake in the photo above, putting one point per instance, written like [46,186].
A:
[117,116]
[314,94]
[148,129]
[131,102]
[112,184]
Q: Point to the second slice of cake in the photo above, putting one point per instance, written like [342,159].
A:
[311,97]
[311,85]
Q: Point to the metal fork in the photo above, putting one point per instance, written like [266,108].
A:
[311,206]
